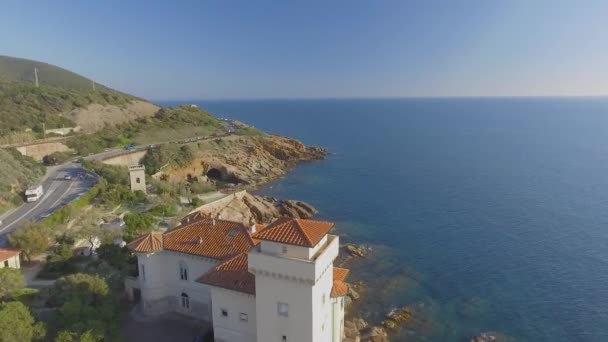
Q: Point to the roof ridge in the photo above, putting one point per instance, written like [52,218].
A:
[303,231]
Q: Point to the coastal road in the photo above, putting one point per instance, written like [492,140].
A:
[57,192]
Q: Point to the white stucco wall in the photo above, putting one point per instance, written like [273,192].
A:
[337,318]
[162,287]
[232,328]
[12,262]
[301,284]
[292,251]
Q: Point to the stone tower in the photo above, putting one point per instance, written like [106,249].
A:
[137,177]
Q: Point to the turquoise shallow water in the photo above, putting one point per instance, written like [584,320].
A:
[484,214]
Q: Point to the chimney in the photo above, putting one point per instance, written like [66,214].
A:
[252,229]
[213,222]
[200,240]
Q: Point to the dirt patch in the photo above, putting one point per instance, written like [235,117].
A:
[96,116]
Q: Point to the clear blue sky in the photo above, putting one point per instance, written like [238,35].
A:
[283,49]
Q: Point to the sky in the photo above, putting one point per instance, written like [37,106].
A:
[197,50]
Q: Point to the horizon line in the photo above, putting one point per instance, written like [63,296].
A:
[381,98]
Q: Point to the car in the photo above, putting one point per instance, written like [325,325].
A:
[67,177]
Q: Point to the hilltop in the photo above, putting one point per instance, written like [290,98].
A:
[63,99]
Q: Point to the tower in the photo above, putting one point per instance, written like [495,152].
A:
[293,268]
[137,177]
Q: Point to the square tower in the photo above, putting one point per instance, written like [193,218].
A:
[137,177]
[293,268]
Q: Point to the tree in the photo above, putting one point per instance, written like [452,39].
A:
[72,336]
[17,323]
[90,229]
[31,239]
[196,202]
[11,280]
[85,288]
[138,224]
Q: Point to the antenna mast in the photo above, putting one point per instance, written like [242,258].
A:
[36,77]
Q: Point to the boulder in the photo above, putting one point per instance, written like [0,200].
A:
[355,250]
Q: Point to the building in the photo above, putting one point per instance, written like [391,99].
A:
[257,283]
[9,257]
[137,178]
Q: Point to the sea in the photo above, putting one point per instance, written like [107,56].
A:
[482,214]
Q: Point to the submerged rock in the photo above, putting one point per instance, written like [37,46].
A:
[489,337]
[355,250]
[395,318]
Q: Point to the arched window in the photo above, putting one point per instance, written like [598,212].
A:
[183,271]
[185,301]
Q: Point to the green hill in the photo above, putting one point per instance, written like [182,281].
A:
[25,107]
[21,70]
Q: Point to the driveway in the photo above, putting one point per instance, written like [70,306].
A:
[170,327]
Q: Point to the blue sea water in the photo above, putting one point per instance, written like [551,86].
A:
[484,214]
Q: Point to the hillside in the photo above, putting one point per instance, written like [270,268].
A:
[20,70]
[64,99]
[18,172]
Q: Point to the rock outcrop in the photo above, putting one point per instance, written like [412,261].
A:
[244,161]
[249,209]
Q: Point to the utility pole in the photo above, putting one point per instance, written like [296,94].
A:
[44,130]
[36,76]
[93,85]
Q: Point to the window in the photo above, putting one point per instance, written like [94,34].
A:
[233,232]
[143,271]
[183,271]
[323,299]
[284,249]
[5,263]
[185,301]
[284,338]
[137,180]
[224,312]
[244,317]
[283,309]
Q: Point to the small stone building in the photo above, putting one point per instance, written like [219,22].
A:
[137,177]
[9,257]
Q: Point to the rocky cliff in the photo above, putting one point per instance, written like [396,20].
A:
[243,161]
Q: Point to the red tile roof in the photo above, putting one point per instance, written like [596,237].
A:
[300,232]
[212,238]
[148,243]
[339,288]
[232,274]
[7,253]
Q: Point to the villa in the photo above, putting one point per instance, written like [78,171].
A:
[258,283]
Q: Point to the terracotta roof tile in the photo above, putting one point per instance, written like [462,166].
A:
[340,273]
[232,274]
[339,288]
[148,243]
[299,232]
[7,253]
[217,239]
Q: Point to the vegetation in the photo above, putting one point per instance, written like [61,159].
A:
[170,155]
[17,323]
[32,239]
[56,158]
[112,174]
[11,280]
[87,308]
[166,125]
[138,224]
[18,173]
[24,106]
